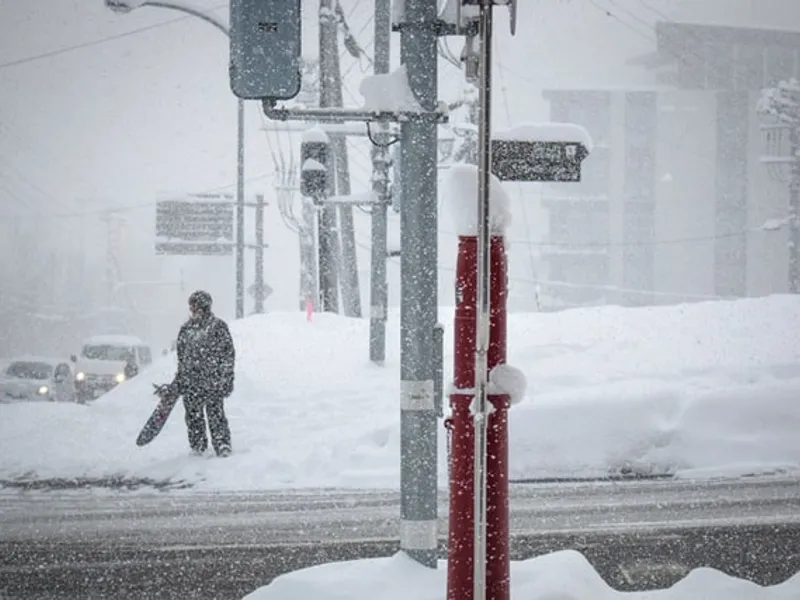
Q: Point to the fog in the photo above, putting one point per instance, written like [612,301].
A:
[100,113]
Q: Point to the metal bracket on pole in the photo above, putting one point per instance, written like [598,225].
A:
[346,115]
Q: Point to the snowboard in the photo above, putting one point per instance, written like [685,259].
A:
[160,415]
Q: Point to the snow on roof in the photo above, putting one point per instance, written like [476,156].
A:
[547,132]
[114,340]
[39,359]
[461,197]
[389,92]
[315,134]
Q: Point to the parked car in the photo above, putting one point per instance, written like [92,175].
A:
[106,361]
[32,378]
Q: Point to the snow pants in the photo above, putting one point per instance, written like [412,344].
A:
[197,406]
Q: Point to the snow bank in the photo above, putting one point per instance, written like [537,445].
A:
[565,575]
[389,92]
[547,132]
[698,390]
[461,200]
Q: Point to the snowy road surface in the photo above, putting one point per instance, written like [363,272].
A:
[305,516]
[637,534]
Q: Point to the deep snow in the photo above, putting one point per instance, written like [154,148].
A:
[694,390]
[565,575]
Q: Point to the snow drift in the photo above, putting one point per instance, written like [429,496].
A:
[697,390]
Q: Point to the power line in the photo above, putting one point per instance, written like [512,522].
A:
[66,49]
[125,208]
[568,284]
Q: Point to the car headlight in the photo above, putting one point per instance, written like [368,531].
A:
[80,376]
[43,390]
[119,377]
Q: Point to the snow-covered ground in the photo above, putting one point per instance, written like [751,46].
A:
[695,390]
[563,575]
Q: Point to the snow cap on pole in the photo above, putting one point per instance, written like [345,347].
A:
[461,199]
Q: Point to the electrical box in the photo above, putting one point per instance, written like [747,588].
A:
[265,49]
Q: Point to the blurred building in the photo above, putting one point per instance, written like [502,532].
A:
[674,196]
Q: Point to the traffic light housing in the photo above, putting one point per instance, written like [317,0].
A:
[315,162]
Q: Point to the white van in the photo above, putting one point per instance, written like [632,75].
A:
[106,361]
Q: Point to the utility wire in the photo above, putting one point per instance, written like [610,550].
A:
[110,38]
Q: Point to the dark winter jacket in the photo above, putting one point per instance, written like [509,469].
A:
[206,358]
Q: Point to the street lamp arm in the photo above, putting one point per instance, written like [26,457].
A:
[129,5]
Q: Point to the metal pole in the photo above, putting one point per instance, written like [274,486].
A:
[418,280]
[308,256]
[259,278]
[794,212]
[328,236]
[379,303]
[348,265]
[438,369]
[480,417]
[240,209]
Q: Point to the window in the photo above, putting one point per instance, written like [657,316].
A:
[719,65]
[29,370]
[749,67]
[589,109]
[579,223]
[106,352]
[639,175]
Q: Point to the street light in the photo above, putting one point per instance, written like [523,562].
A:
[126,6]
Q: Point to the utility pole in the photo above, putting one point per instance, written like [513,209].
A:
[259,278]
[418,280]
[327,230]
[419,27]
[308,255]
[240,210]
[381,160]
[113,243]
[331,96]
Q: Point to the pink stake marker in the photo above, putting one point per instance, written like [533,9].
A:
[309,309]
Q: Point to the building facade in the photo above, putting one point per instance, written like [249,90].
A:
[674,196]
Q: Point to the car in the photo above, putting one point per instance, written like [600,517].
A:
[106,361]
[34,378]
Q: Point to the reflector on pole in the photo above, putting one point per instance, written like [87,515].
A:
[480,416]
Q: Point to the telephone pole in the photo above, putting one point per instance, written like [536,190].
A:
[330,95]
[259,287]
[330,80]
[381,161]
[418,293]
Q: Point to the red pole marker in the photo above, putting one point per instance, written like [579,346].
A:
[461,430]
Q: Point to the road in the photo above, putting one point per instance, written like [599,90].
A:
[181,544]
